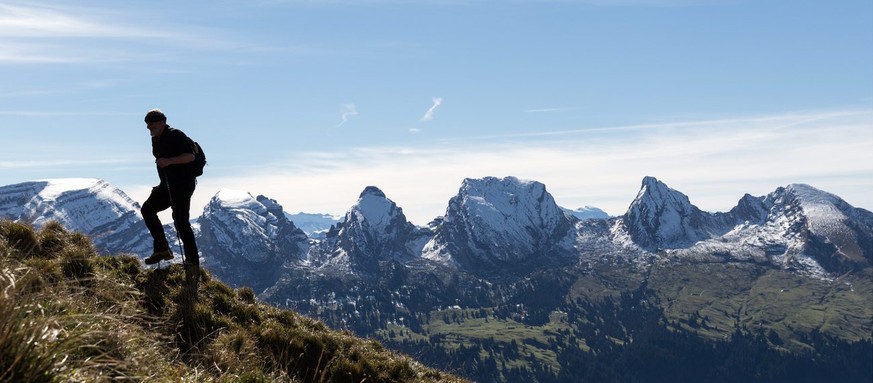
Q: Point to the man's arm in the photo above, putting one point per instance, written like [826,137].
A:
[183,158]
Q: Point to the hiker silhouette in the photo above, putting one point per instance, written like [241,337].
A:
[174,154]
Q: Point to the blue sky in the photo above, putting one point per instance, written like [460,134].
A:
[309,101]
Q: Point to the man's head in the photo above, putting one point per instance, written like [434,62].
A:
[155,121]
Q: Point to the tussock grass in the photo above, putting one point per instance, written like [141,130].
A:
[67,314]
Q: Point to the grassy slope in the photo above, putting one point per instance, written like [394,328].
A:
[751,296]
[711,299]
[67,314]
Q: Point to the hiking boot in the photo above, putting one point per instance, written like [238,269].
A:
[159,255]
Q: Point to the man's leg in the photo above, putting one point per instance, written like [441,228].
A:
[159,200]
[181,218]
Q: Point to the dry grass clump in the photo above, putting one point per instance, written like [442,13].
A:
[67,314]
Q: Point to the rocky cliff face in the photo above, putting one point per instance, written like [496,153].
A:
[818,225]
[663,218]
[247,240]
[373,230]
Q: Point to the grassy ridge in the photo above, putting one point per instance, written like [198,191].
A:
[67,314]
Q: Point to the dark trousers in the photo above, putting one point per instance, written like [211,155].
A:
[177,197]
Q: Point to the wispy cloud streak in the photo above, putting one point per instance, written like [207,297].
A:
[428,116]
[346,111]
[44,21]
[47,34]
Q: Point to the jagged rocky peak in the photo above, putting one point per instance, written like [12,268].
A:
[374,229]
[236,224]
[751,209]
[495,222]
[655,196]
[247,240]
[661,217]
[272,206]
[235,204]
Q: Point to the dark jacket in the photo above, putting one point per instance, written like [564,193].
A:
[171,143]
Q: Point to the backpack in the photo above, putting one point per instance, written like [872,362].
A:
[199,159]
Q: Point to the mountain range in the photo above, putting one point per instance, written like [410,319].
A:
[794,261]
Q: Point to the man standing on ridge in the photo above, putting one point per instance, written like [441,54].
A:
[173,152]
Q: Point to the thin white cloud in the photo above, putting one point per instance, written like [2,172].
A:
[36,21]
[51,34]
[550,110]
[437,101]
[28,93]
[714,162]
[37,113]
[346,111]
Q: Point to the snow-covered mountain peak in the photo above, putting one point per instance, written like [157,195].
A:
[261,217]
[505,222]
[495,190]
[655,196]
[372,190]
[54,188]
[797,226]
[374,229]
[837,232]
[817,205]
[88,205]
[497,201]
[313,224]
[242,236]
[472,184]
[375,209]
[661,217]
[236,199]
[72,202]
[588,212]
